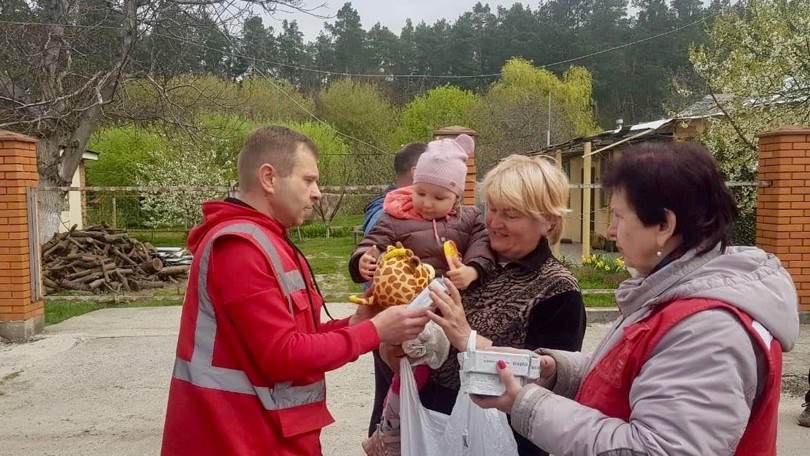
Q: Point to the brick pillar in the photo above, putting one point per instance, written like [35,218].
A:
[783,209]
[19,316]
[468,198]
[469,182]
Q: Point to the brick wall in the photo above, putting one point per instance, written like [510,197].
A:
[783,209]
[469,183]
[19,317]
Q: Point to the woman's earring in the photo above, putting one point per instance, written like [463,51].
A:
[658,253]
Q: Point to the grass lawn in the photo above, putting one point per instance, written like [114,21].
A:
[341,224]
[605,300]
[329,258]
[160,238]
[58,311]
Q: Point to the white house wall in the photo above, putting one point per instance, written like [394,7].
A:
[73,214]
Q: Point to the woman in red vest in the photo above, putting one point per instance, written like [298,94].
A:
[693,364]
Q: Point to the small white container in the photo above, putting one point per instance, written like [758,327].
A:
[479,370]
[423,298]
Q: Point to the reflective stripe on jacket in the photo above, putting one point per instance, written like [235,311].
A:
[228,410]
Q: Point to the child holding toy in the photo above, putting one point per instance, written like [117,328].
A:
[424,217]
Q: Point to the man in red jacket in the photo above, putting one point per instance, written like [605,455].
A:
[252,352]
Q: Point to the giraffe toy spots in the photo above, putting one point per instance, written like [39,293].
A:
[400,276]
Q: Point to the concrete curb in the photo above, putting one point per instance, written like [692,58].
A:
[601,314]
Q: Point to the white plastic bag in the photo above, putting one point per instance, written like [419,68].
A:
[473,431]
[421,430]
[468,431]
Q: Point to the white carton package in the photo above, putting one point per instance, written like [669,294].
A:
[479,371]
[423,298]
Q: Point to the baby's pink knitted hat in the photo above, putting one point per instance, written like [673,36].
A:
[444,163]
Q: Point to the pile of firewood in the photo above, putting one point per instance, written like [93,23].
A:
[103,259]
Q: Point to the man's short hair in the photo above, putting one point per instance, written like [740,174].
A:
[274,145]
[407,157]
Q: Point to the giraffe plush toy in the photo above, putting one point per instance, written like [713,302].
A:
[400,276]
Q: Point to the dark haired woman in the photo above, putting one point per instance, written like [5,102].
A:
[693,364]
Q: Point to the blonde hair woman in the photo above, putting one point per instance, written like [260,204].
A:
[694,364]
[531,300]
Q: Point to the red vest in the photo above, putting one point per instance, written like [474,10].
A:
[233,409]
[607,386]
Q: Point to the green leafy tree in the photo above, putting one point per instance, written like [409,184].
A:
[255,97]
[264,98]
[431,51]
[348,39]
[759,54]
[368,119]
[361,111]
[338,168]
[123,148]
[258,47]
[514,113]
[572,92]
[292,53]
[384,50]
[213,163]
[439,107]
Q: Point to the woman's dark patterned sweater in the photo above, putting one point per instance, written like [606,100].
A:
[530,303]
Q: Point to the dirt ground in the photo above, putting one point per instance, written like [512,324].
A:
[97,385]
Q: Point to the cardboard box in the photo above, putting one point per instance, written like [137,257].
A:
[479,371]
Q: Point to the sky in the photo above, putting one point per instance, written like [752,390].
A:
[390,13]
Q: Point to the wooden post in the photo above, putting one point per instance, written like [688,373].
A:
[114,214]
[555,249]
[586,200]
[469,196]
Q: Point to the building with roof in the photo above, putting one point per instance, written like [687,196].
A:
[583,159]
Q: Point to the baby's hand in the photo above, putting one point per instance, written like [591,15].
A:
[368,263]
[463,276]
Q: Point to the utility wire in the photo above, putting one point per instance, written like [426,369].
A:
[379,75]
[270,78]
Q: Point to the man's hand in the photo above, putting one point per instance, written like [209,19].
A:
[462,276]
[368,263]
[400,323]
[363,313]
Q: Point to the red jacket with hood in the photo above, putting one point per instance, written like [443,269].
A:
[252,352]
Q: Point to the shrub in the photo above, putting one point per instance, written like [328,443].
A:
[745,229]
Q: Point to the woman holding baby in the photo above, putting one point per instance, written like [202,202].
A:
[525,299]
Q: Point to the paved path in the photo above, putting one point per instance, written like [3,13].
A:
[97,385]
